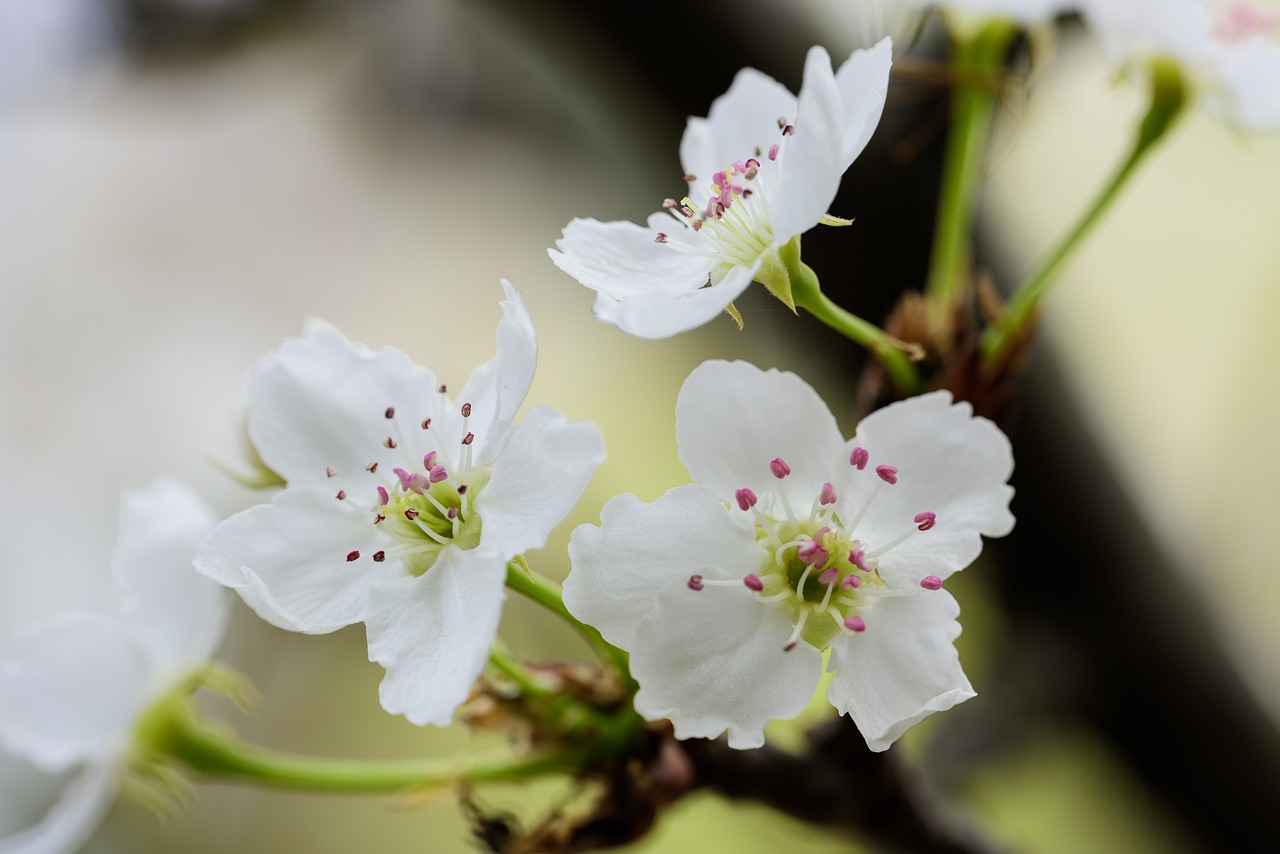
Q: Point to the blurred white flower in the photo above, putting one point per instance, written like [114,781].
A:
[402,508]
[762,168]
[1230,49]
[725,592]
[72,688]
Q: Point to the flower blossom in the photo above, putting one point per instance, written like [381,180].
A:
[1229,48]
[73,688]
[402,506]
[725,592]
[762,168]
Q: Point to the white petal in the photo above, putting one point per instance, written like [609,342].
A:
[619,567]
[902,669]
[70,689]
[620,260]
[812,163]
[949,463]
[713,660]
[1249,95]
[1140,28]
[539,473]
[661,315]
[76,812]
[498,387]
[288,560]
[863,81]
[742,120]
[178,613]
[732,419]
[647,289]
[320,403]
[432,633]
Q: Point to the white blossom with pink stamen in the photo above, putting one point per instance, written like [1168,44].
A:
[792,540]
[1230,49]
[762,168]
[402,507]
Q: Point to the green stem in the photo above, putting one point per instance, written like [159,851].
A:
[807,294]
[547,594]
[513,669]
[215,751]
[973,102]
[1168,97]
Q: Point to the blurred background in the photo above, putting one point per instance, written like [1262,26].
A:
[183,182]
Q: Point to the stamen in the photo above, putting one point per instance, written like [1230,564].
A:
[695,583]
[851,582]
[828,494]
[383,496]
[342,495]
[779,468]
[353,555]
[829,576]
[389,442]
[379,557]
[426,424]
[411,514]
[753,582]
[925,521]
[466,410]
[437,474]
[773,151]
[855,624]
[795,632]
[330,471]
[858,557]
[859,458]
[429,461]
[390,413]
[746,499]
[469,438]
[931,582]
[889,474]
[661,238]
[403,477]
[372,467]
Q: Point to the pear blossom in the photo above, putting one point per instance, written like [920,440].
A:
[762,168]
[792,540]
[73,688]
[1229,48]
[403,505]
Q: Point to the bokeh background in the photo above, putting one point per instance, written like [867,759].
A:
[183,182]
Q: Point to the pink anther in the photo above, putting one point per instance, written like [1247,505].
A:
[753,582]
[889,474]
[828,494]
[925,521]
[779,468]
[858,459]
[695,582]
[746,499]
[931,582]
[855,624]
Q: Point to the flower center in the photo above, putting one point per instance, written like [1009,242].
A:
[819,568]
[422,506]
[1239,20]
[732,225]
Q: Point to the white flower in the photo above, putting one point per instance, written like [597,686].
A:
[762,168]
[72,689]
[402,508]
[726,591]
[1229,48]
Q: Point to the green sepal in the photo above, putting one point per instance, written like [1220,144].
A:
[772,273]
